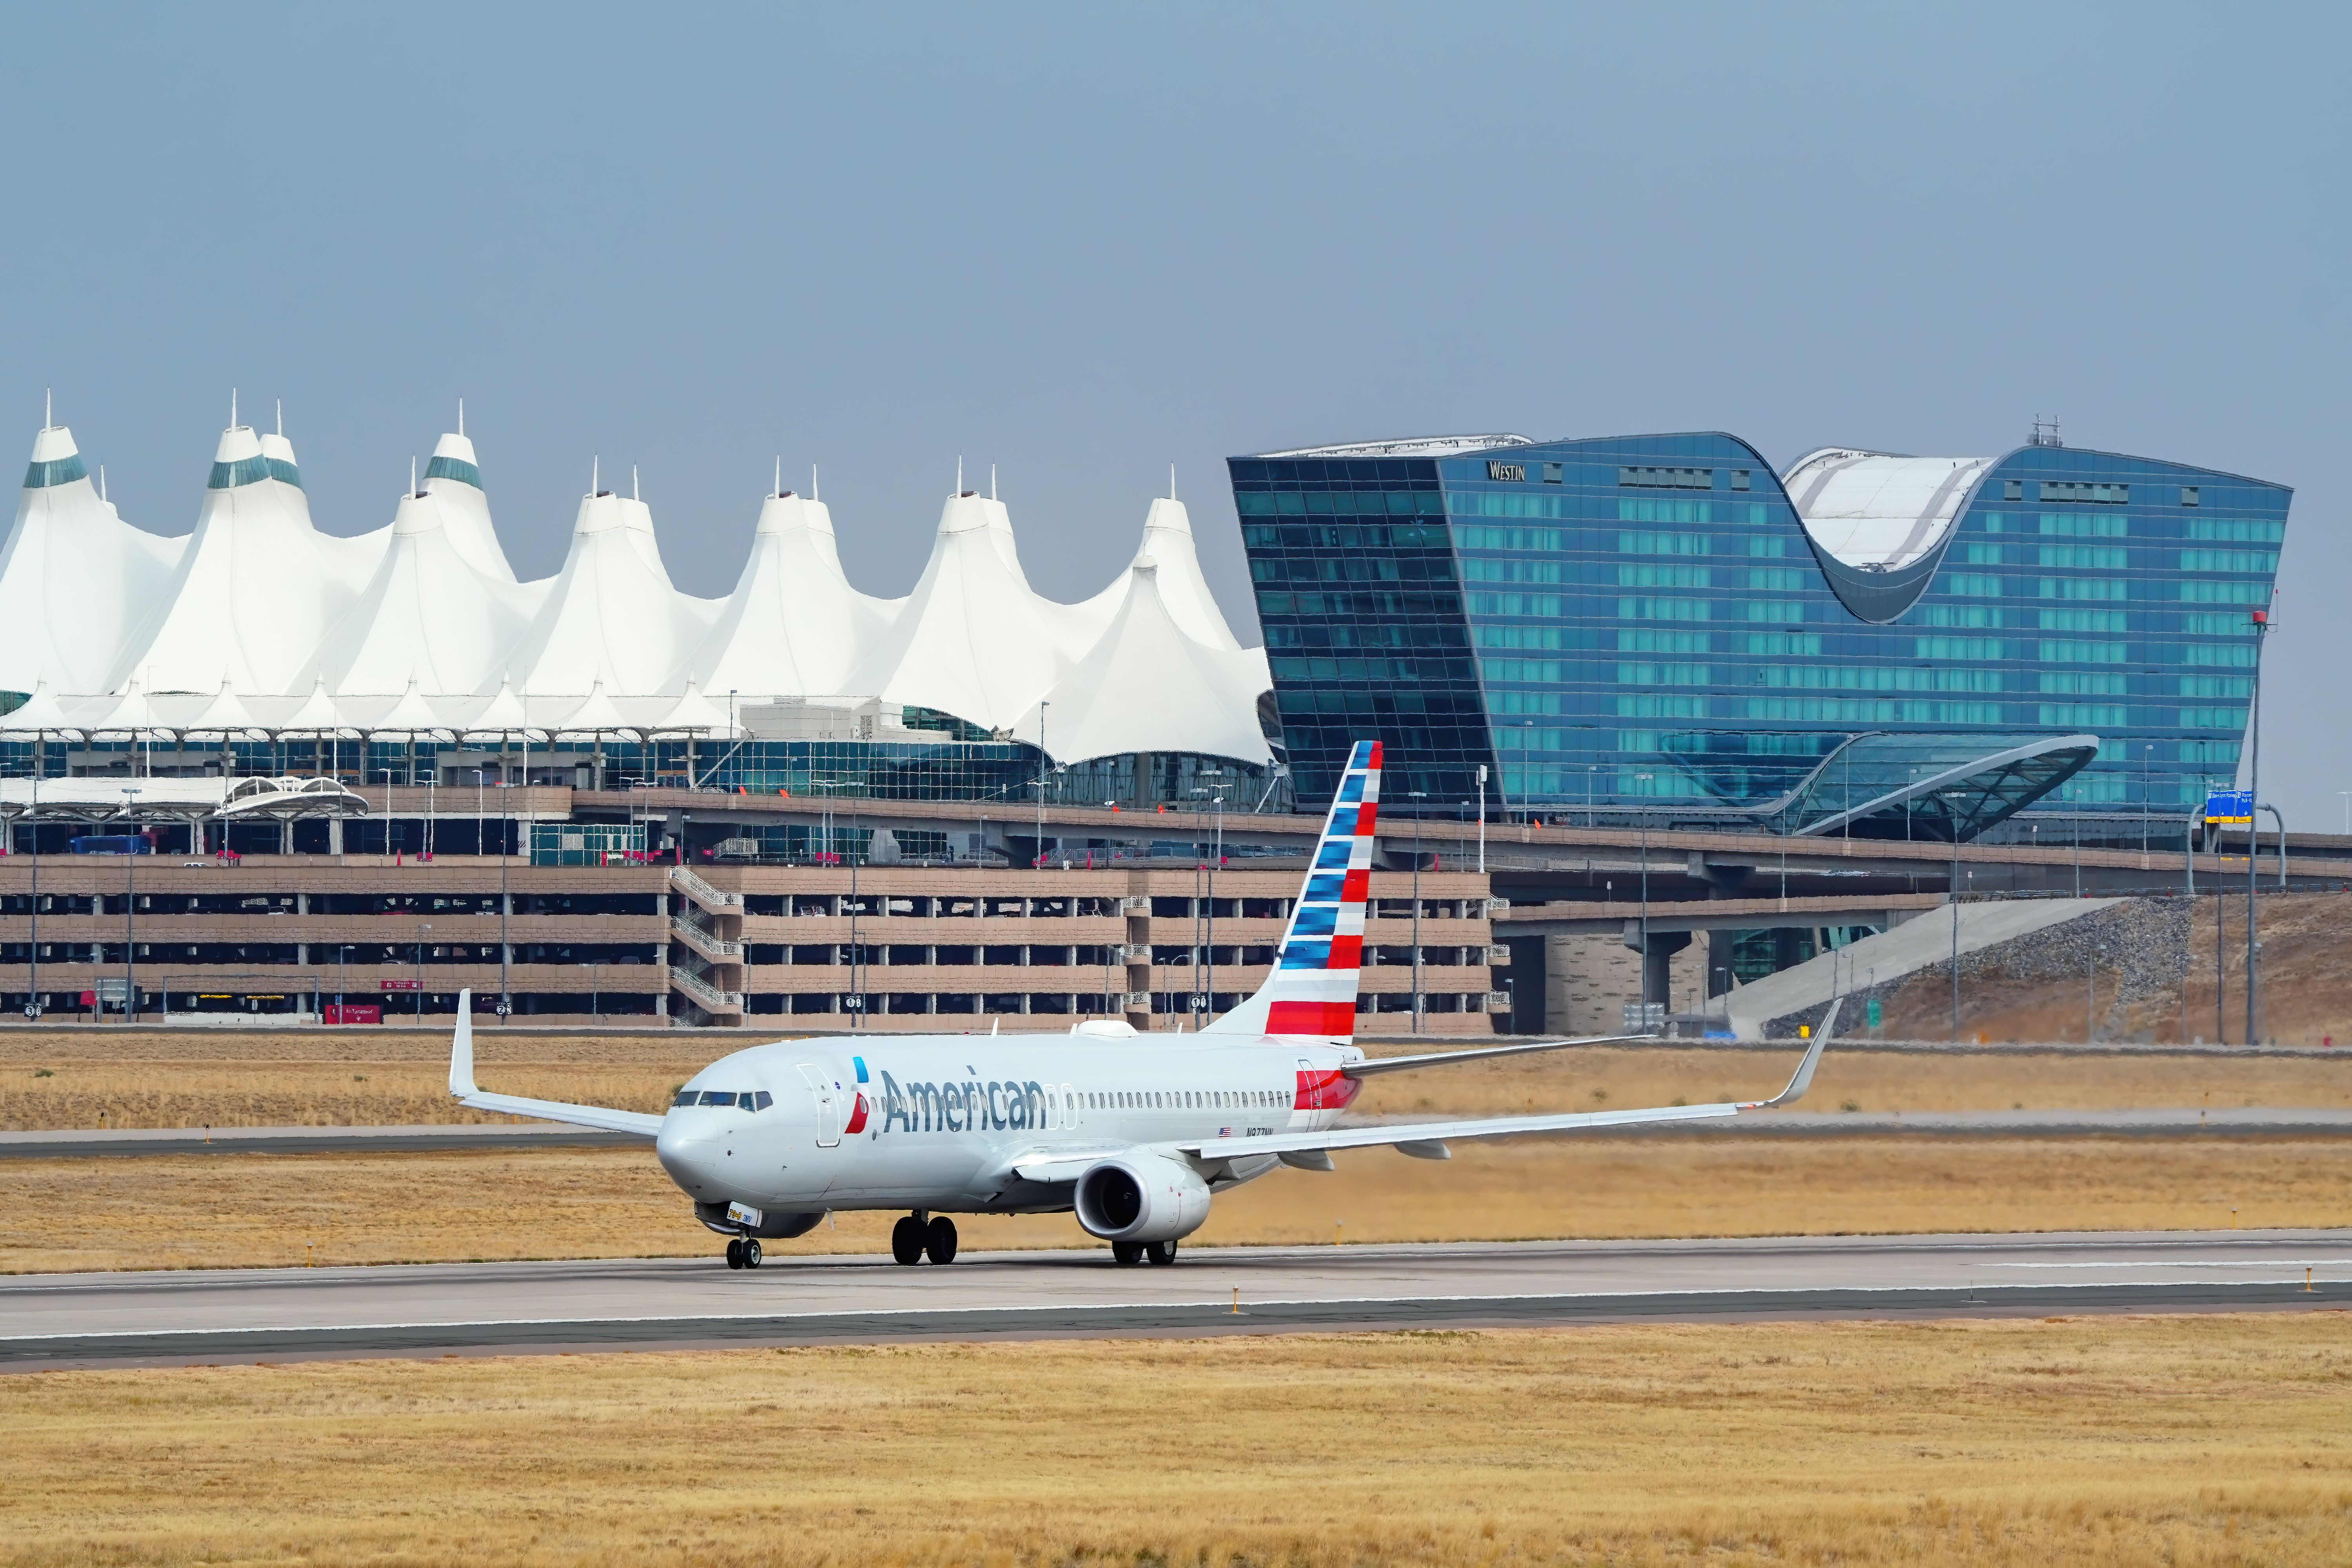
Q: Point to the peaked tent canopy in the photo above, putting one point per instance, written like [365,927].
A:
[455,479]
[793,623]
[1148,686]
[612,617]
[76,581]
[427,618]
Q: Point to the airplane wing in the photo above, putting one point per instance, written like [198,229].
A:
[461,1084]
[1373,1065]
[1428,1140]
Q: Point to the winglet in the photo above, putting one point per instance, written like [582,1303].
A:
[461,1048]
[1802,1081]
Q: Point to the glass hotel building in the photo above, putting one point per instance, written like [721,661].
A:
[1871,643]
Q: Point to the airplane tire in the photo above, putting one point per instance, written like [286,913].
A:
[751,1253]
[1162,1253]
[735,1253]
[939,1240]
[906,1240]
[1125,1253]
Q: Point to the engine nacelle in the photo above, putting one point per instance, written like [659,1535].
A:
[1142,1197]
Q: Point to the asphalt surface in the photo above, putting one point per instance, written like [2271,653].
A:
[2240,1120]
[57,1321]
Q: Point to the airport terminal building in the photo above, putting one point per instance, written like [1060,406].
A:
[1868,643]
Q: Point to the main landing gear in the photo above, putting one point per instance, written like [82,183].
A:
[915,1237]
[1127,1253]
[744,1252]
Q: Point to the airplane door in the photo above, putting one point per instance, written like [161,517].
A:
[1310,1095]
[828,1105]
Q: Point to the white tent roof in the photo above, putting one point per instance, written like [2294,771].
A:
[1148,687]
[411,715]
[505,715]
[595,714]
[794,625]
[316,715]
[972,640]
[39,712]
[611,615]
[1183,589]
[75,579]
[427,617]
[255,591]
[224,715]
[1873,509]
[693,710]
[132,713]
[455,479]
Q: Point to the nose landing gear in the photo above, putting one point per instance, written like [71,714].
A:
[918,1236]
[744,1252]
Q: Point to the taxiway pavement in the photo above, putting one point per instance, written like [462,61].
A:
[54,1321]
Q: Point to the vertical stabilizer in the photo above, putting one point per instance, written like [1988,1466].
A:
[1312,992]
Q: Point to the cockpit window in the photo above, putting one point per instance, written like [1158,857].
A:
[687,1097]
[718,1097]
[760,1100]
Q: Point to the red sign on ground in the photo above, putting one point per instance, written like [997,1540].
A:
[353,1013]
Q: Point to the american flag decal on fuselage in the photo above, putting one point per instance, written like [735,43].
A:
[1311,994]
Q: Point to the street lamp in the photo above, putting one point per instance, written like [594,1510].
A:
[33,844]
[1416,796]
[130,902]
[422,927]
[1644,780]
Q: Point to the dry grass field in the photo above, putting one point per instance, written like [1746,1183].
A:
[153,1079]
[2186,1441]
[239,1210]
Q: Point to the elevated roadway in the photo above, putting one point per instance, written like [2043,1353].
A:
[53,1322]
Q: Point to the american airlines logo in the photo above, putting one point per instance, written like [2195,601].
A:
[995,1106]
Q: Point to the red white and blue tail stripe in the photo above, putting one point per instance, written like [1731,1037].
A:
[1311,994]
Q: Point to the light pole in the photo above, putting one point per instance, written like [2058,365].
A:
[130,902]
[1416,796]
[1644,780]
[506,998]
[1043,762]
[422,927]
[1481,819]
[342,981]
[2262,623]
[33,838]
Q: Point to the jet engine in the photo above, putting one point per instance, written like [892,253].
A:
[1142,1197]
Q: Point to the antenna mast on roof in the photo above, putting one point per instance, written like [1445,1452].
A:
[780,473]
[48,410]
[593,482]
[232,407]
[813,495]
[101,482]
[635,493]
[281,429]
[959,490]
[461,417]
[1172,481]
[992,482]
[2045,432]
[411,473]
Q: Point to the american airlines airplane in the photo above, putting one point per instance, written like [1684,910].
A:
[1135,1133]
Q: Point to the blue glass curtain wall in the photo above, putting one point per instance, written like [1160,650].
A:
[1642,618]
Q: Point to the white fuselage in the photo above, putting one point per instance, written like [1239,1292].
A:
[938,1120]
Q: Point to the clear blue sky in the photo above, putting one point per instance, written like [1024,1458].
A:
[1083,242]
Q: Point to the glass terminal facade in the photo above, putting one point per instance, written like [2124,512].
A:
[1633,620]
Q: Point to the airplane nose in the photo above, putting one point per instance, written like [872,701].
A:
[687,1154]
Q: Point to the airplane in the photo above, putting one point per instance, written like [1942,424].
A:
[1135,1134]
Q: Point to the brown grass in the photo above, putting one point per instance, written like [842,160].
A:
[230,1090]
[235,1210]
[2187,1440]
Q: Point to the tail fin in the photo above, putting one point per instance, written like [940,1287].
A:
[1312,992]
